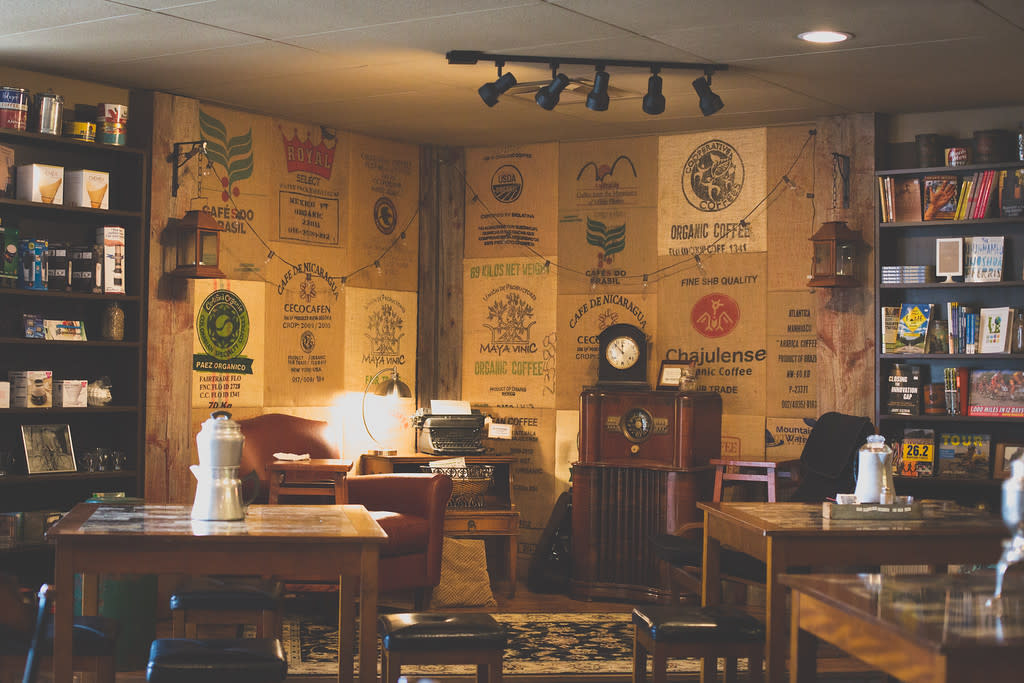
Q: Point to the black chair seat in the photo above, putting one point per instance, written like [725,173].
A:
[685,551]
[717,623]
[90,637]
[229,660]
[420,631]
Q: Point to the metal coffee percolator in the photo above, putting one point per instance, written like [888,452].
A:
[218,487]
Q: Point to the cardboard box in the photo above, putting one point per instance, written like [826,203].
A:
[41,183]
[32,257]
[5,394]
[31,388]
[70,393]
[83,187]
[110,238]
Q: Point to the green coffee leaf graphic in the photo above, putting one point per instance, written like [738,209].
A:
[234,155]
[611,239]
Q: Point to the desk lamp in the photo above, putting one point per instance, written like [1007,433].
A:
[392,388]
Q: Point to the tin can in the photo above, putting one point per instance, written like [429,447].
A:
[48,110]
[80,130]
[13,108]
[111,123]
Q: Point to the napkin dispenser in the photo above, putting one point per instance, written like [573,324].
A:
[449,434]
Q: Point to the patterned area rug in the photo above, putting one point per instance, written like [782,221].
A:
[538,644]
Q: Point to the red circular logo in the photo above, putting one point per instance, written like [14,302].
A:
[715,315]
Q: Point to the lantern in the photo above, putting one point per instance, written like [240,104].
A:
[836,259]
[198,246]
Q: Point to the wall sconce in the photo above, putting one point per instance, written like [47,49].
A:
[198,246]
[391,389]
[837,255]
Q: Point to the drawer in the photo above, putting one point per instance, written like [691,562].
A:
[502,522]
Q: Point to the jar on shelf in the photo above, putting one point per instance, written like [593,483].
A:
[113,322]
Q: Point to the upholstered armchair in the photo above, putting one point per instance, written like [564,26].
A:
[409,507]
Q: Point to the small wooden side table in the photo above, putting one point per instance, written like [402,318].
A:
[315,477]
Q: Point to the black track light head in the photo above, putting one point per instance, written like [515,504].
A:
[597,99]
[709,101]
[547,97]
[654,101]
[489,92]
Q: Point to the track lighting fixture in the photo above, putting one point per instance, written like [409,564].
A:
[547,97]
[654,101]
[489,92]
[709,101]
[597,99]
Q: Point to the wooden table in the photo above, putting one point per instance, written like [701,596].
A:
[315,542]
[787,535]
[925,629]
[313,477]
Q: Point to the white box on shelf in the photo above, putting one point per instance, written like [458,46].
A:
[41,183]
[5,394]
[83,187]
[31,388]
[110,238]
[70,393]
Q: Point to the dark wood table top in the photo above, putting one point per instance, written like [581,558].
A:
[938,611]
[806,519]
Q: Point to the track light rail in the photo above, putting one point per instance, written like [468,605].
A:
[476,56]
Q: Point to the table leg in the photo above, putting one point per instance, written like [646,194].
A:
[340,489]
[346,626]
[803,647]
[368,614]
[711,589]
[512,543]
[64,578]
[775,615]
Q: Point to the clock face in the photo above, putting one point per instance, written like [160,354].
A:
[622,353]
[636,424]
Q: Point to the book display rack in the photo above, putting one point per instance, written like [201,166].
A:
[982,388]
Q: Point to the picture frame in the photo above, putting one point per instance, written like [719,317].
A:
[1005,452]
[677,375]
[48,448]
[949,257]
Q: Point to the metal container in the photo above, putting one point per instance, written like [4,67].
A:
[80,130]
[48,111]
[14,108]
[111,123]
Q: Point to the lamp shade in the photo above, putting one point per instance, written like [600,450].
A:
[390,391]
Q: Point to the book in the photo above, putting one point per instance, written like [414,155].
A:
[912,328]
[1011,193]
[882,204]
[890,318]
[907,200]
[996,393]
[904,389]
[964,456]
[938,337]
[917,453]
[940,197]
[996,323]
[983,258]
[955,381]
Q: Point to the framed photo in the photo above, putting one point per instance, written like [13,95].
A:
[949,257]
[1005,452]
[678,375]
[48,448]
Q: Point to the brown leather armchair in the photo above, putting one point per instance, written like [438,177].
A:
[409,507]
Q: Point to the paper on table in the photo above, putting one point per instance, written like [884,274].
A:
[455,463]
[291,456]
[449,407]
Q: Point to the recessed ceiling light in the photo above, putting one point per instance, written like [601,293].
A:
[825,36]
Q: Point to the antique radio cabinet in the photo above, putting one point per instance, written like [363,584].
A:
[643,465]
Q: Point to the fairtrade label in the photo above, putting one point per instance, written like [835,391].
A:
[227,347]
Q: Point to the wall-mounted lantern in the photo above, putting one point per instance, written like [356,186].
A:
[198,246]
[837,255]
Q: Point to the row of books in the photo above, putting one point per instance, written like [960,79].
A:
[915,328]
[976,258]
[907,275]
[964,391]
[985,194]
[956,455]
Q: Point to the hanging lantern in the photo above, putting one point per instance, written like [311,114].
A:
[837,255]
[198,246]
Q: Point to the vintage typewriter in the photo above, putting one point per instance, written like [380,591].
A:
[449,434]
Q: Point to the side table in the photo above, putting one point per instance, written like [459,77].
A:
[315,477]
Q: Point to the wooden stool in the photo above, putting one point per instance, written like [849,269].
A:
[705,632]
[234,601]
[229,660]
[428,638]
